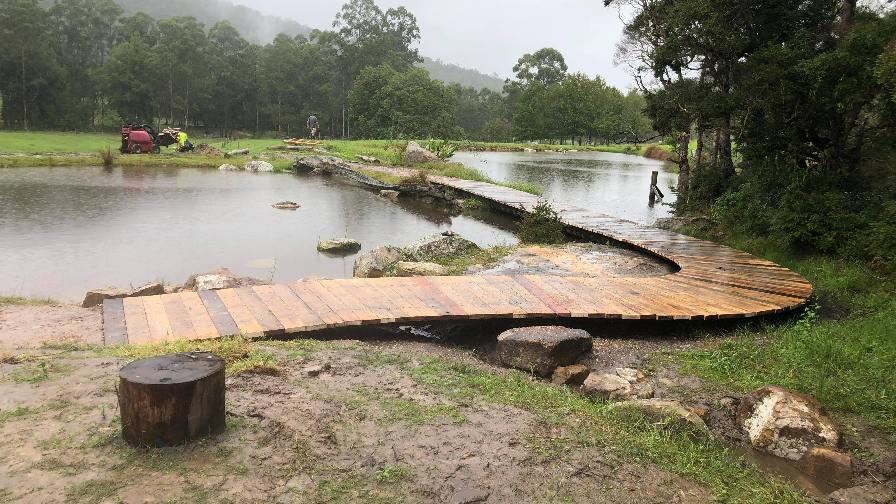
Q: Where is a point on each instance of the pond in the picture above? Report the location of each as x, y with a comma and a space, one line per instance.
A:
64, 231
614, 184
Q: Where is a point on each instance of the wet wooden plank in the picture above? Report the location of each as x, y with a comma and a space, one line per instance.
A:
316, 304
218, 313
305, 317
270, 326
199, 316
178, 318
115, 332
157, 319
241, 314
135, 321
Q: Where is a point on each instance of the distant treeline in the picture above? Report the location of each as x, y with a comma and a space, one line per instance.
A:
83, 64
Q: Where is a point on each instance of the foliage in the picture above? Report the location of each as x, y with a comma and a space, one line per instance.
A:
391, 104
542, 225
442, 148
805, 93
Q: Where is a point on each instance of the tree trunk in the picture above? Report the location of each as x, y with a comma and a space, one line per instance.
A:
169, 400
698, 151
684, 166
24, 93
725, 160
715, 147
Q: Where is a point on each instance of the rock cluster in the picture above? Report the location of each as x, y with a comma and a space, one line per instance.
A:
258, 166
417, 259
617, 385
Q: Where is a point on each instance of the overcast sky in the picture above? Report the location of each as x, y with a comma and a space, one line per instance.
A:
490, 35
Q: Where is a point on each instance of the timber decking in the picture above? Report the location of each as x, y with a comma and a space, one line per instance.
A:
713, 282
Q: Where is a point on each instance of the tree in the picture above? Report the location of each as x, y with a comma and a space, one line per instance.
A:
28, 70
231, 64
390, 104
179, 60
544, 67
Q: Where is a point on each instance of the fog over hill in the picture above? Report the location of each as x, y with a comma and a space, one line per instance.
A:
261, 29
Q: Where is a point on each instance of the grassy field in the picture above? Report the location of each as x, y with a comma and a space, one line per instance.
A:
841, 351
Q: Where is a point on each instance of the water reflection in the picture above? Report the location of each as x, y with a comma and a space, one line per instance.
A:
614, 184
66, 230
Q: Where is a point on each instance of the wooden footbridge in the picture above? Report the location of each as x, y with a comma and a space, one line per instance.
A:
712, 282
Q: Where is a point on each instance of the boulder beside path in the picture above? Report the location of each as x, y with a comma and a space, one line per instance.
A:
414, 153
542, 349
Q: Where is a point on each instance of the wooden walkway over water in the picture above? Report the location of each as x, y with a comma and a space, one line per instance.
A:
713, 282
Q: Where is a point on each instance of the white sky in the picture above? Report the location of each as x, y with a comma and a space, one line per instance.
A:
490, 35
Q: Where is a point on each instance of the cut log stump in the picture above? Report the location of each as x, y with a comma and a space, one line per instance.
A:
169, 400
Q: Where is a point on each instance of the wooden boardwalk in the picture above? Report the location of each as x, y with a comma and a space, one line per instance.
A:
713, 282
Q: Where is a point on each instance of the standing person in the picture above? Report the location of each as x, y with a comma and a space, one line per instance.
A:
314, 126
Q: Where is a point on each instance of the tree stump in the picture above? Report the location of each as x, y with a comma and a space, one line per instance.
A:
169, 400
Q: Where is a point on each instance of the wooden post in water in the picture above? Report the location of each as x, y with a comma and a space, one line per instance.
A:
654, 176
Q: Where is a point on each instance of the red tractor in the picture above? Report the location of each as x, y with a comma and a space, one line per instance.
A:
143, 139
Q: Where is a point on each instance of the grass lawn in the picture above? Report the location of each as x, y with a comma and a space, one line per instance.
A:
842, 351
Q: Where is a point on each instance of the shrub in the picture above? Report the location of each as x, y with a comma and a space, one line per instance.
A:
107, 155
442, 148
542, 225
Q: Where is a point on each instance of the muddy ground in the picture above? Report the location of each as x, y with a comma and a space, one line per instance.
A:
382, 423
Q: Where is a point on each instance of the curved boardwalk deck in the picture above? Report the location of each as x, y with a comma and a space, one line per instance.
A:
713, 282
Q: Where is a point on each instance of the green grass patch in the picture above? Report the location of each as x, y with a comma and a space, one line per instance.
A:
841, 351
239, 354
40, 371
542, 226
21, 301
21, 412
392, 474
384, 177
457, 265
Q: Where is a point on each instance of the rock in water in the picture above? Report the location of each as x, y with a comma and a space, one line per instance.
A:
606, 386
412, 269
415, 154
228, 167
339, 245
445, 245
784, 423
286, 205
390, 194
542, 349
259, 166
570, 375
374, 264
828, 465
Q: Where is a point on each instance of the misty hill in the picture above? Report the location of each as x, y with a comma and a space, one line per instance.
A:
261, 29
450, 73
253, 25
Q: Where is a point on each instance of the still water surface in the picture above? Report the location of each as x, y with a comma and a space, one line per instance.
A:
64, 231
614, 184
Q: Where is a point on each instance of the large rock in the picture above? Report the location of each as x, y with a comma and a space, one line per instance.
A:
415, 154
661, 410
339, 245
222, 278
784, 423
606, 386
865, 494
542, 349
375, 263
832, 466
446, 244
228, 167
97, 296
390, 194
412, 269
259, 166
